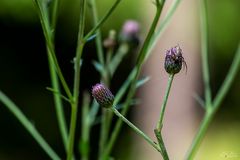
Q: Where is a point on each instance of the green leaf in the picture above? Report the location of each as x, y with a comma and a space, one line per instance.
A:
117, 59
199, 100
99, 67
142, 81
56, 92
125, 86
132, 103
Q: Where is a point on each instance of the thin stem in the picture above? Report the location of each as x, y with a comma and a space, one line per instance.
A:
147, 42
228, 80
163, 25
160, 122
84, 141
137, 130
58, 102
200, 135
28, 126
134, 81
104, 76
55, 82
77, 67
100, 23
103, 133
98, 39
54, 17
44, 19
161, 144
158, 130
216, 104
117, 59
204, 53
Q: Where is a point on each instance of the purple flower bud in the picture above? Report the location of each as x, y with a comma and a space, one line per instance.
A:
174, 60
130, 31
102, 95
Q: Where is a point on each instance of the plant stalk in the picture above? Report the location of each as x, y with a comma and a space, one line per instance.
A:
28, 126
132, 89
76, 87
137, 130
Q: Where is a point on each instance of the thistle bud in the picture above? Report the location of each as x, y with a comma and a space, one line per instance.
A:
174, 60
130, 32
102, 95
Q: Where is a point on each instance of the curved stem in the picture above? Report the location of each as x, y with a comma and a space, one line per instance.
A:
28, 126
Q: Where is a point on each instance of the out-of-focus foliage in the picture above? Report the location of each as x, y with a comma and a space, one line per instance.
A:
224, 26
18, 10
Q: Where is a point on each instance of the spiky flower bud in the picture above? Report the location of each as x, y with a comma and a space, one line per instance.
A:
174, 60
102, 95
130, 32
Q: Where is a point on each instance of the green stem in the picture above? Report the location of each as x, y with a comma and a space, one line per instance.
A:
137, 130
118, 57
104, 76
161, 144
84, 141
58, 102
160, 122
103, 133
204, 53
163, 25
28, 126
200, 135
55, 82
44, 19
212, 108
98, 39
54, 17
228, 80
77, 67
134, 81
216, 104
158, 130
102, 20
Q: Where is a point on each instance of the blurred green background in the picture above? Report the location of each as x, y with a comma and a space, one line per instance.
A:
24, 71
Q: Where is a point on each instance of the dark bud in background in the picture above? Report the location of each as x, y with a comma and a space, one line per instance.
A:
130, 32
110, 41
174, 60
103, 95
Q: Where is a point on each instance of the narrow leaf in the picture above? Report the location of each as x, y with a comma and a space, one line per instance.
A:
98, 66
142, 81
